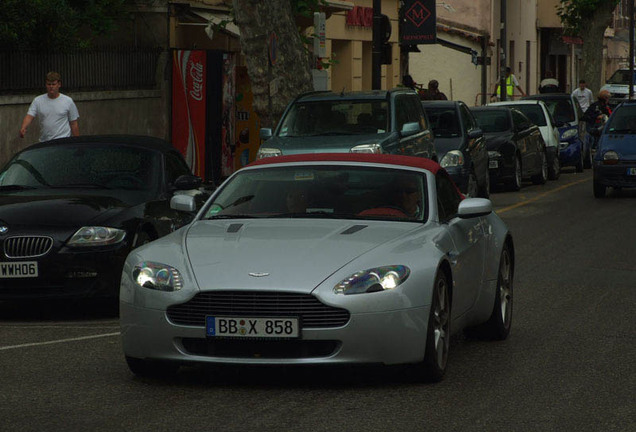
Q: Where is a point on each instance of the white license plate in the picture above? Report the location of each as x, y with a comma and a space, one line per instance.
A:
252, 327
21, 269
631, 171
493, 164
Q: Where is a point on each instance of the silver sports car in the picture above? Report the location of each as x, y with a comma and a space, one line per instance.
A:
321, 259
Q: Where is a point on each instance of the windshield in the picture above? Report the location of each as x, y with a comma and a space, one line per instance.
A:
623, 120
335, 117
561, 109
621, 76
532, 111
325, 192
492, 121
444, 121
108, 166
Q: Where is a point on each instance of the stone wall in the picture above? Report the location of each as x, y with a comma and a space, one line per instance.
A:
136, 112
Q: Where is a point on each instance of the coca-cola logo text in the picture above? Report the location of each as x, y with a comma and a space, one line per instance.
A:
196, 73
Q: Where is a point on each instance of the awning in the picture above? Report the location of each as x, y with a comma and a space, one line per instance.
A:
221, 21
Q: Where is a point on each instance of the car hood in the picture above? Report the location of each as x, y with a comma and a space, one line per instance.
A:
323, 143
623, 144
275, 254
34, 208
444, 144
494, 140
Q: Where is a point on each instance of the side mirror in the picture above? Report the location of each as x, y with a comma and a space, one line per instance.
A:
186, 182
474, 207
475, 133
182, 202
265, 133
409, 129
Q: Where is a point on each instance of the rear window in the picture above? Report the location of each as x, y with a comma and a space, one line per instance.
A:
492, 120
336, 117
561, 109
444, 121
623, 120
533, 112
621, 76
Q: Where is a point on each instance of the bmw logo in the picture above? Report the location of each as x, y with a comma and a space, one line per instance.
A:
4, 229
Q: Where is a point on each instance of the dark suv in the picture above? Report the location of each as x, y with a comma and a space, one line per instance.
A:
379, 121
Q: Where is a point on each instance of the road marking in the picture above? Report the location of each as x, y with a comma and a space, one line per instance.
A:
526, 202
58, 341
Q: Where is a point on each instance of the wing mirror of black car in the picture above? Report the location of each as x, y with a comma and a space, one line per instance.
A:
561, 123
475, 133
265, 133
186, 182
410, 129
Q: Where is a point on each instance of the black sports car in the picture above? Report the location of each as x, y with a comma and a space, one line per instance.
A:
71, 209
516, 149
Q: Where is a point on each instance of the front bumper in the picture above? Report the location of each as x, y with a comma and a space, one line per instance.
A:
615, 175
570, 152
69, 273
391, 337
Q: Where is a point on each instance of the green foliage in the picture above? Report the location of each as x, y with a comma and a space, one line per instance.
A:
306, 8
574, 12
56, 24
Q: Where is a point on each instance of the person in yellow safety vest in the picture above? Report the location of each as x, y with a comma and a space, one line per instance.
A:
511, 83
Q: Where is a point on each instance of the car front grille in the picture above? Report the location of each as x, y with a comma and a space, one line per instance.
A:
27, 246
312, 313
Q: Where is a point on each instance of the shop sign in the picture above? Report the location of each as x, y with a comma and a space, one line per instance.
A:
419, 23
360, 17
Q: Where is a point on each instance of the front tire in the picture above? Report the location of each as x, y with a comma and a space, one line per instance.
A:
599, 190
517, 175
542, 176
433, 367
500, 322
554, 171
579, 164
588, 159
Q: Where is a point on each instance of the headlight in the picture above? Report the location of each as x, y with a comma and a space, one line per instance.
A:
610, 158
494, 155
452, 158
160, 277
267, 152
570, 133
373, 280
96, 236
367, 148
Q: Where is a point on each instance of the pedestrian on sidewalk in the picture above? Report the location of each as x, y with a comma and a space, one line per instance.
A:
56, 112
583, 95
511, 84
432, 93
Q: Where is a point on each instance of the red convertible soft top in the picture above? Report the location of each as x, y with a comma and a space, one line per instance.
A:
410, 161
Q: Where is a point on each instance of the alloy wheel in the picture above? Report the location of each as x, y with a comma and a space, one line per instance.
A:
441, 323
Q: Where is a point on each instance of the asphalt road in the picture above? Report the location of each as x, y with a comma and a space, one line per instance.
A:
569, 364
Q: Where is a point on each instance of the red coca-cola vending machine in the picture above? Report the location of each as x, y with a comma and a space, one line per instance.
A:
203, 111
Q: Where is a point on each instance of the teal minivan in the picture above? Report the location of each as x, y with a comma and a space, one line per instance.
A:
378, 121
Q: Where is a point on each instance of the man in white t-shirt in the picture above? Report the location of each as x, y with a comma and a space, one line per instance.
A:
56, 112
583, 95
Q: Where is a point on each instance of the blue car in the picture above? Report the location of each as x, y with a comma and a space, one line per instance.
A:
615, 159
575, 147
